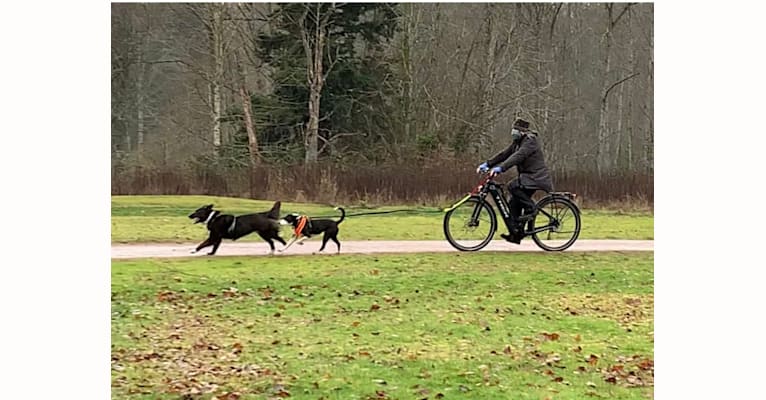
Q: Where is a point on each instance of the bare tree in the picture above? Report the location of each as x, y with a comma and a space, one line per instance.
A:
603, 160
314, 39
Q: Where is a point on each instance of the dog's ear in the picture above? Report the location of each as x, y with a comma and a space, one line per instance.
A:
209, 206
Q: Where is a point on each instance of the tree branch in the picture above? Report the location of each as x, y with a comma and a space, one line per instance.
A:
606, 93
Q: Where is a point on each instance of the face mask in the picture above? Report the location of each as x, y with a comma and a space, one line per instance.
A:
515, 134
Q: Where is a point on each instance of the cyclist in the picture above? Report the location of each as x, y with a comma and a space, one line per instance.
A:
526, 153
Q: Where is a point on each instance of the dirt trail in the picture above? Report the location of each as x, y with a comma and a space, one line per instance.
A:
163, 250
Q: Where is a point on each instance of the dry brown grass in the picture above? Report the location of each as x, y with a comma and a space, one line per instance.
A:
379, 185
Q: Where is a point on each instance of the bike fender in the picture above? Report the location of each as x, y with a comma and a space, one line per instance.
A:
456, 205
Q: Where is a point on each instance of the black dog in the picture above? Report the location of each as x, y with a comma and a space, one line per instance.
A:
305, 227
226, 226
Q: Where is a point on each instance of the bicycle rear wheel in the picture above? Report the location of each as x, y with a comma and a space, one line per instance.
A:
471, 225
557, 224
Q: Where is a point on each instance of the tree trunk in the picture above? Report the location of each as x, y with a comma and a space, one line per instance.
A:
487, 107
252, 140
244, 96
602, 163
649, 137
140, 106
634, 65
618, 150
217, 42
314, 48
128, 142
312, 132
408, 42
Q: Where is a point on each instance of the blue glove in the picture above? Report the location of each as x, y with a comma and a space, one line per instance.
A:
482, 168
496, 170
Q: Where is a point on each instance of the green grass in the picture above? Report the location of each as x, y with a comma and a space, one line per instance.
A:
472, 326
164, 219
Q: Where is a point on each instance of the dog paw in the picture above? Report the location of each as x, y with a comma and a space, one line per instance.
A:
193, 252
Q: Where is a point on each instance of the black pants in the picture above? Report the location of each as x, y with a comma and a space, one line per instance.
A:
521, 197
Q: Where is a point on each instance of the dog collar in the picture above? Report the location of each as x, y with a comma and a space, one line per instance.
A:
210, 217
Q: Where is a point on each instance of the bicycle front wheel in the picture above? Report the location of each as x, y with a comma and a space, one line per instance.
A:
556, 225
471, 225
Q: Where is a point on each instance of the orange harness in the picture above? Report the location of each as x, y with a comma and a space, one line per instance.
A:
301, 224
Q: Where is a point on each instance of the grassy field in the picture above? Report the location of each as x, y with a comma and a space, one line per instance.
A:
468, 326
164, 219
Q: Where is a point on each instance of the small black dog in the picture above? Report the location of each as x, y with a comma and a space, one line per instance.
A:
305, 227
226, 226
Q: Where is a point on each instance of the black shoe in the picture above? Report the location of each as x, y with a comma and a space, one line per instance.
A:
511, 238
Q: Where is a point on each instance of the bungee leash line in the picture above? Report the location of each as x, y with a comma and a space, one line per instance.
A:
383, 212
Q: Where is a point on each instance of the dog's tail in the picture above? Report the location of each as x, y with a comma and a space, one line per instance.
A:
274, 212
342, 214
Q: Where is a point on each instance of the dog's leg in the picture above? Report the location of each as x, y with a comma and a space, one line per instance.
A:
280, 240
267, 236
335, 239
301, 240
215, 247
207, 242
325, 238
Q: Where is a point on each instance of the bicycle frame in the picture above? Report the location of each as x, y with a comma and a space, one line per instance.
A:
488, 186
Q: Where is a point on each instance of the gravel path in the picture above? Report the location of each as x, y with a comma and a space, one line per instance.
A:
228, 248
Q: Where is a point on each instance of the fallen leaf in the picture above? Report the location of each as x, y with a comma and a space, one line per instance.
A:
166, 296
550, 336
646, 364
633, 302
374, 307
593, 359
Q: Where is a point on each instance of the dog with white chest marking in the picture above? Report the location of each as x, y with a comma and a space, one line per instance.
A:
304, 228
227, 226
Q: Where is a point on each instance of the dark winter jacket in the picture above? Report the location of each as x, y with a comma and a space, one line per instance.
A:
527, 155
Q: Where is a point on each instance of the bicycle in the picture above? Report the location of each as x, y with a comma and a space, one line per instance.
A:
549, 228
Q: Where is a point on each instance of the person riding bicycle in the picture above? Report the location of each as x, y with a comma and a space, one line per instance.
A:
526, 153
